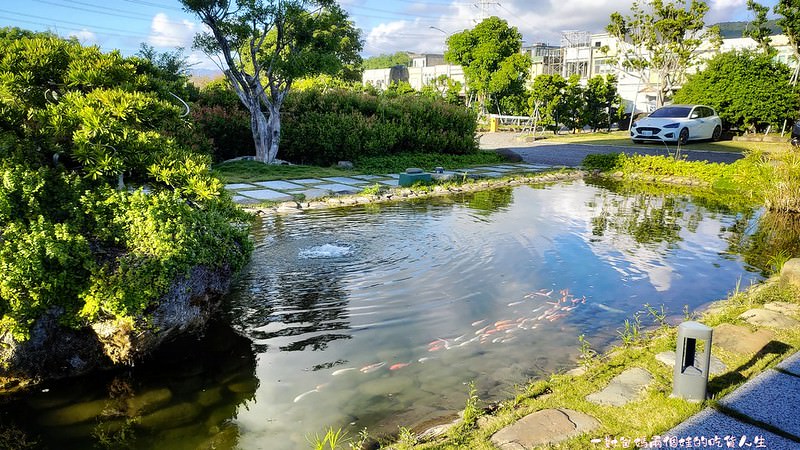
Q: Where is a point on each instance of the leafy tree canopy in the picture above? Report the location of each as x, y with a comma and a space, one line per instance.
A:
491, 58
749, 90
383, 61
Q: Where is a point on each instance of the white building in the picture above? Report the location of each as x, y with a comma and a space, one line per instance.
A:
424, 70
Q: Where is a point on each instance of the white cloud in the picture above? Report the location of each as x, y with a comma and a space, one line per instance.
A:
167, 33
539, 21
85, 36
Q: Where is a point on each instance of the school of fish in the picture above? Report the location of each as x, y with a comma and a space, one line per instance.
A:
484, 331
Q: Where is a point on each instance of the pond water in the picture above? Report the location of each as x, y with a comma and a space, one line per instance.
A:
381, 316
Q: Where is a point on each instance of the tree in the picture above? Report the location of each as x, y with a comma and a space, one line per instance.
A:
574, 103
758, 29
749, 90
789, 10
386, 61
491, 58
546, 97
600, 95
264, 46
664, 38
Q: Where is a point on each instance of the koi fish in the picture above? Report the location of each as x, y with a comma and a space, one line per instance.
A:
609, 309
398, 366
435, 348
341, 371
515, 303
481, 330
301, 396
478, 322
538, 309
459, 338
503, 322
427, 358
372, 367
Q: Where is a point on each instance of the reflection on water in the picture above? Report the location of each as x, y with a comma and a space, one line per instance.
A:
381, 316
186, 397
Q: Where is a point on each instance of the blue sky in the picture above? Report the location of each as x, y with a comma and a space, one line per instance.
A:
387, 26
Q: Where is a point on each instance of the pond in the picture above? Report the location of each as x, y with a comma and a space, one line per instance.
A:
382, 315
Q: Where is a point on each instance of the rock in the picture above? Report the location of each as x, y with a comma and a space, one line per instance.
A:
623, 388
345, 165
668, 358
785, 308
148, 401
210, 396
74, 414
790, 273
766, 318
739, 339
170, 417
576, 372
544, 427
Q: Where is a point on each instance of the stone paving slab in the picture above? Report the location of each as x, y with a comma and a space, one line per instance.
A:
394, 183
498, 168
236, 186
266, 195
308, 181
547, 426
395, 176
311, 194
369, 177
739, 339
769, 398
765, 318
623, 388
791, 364
337, 187
243, 200
710, 423
492, 174
279, 185
344, 180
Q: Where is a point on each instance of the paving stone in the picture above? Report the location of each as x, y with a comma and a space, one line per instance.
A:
790, 273
235, 186
505, 167
344, 180
623, 388
786, 308
266, 194
395, 176
739, 339
544, 427
369, 177
238, 199
279, 185
766, 318
390, 182
339, 188
716, 367
712, 424
791, 364
311, 194
308, 181
497, 168
769, 398
492, 174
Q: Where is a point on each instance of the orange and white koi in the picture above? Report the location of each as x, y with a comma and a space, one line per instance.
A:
502, 322
398, 366
372, 367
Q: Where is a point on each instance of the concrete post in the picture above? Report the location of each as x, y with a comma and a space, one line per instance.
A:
692, 361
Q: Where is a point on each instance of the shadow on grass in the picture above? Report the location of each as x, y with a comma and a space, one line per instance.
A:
774, 350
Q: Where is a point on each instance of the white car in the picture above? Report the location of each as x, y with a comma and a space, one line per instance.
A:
678, 123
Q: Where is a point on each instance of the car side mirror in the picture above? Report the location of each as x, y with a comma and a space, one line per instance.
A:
694, 116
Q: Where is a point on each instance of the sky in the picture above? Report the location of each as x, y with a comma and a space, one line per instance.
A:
387, 26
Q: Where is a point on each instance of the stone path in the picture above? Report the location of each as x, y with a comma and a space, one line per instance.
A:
623, 388
313, 188
547, 426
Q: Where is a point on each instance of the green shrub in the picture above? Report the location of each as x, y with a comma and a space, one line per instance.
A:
323, 128
601, 161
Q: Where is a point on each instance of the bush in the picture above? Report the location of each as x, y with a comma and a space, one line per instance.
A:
323, 128
601, 161
73, 120
749, 90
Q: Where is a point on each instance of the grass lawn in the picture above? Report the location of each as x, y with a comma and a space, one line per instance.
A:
622, 139
250, 171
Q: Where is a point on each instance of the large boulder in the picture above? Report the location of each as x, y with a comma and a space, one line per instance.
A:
54, 350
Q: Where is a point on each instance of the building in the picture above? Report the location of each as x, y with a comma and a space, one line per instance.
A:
424, 69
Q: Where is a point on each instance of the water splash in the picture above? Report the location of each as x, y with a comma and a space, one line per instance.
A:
326, 251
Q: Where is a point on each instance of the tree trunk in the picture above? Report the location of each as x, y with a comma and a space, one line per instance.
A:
266, 131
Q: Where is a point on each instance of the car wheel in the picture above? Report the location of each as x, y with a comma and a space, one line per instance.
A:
717, 133
683, 137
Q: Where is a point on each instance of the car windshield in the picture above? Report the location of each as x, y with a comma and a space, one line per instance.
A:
671, 111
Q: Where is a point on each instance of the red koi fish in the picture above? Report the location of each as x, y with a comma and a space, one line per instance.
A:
398, 366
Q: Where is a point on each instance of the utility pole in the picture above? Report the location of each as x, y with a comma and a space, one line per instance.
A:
483, 9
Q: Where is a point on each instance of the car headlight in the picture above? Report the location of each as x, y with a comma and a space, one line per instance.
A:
635, 124
672, 125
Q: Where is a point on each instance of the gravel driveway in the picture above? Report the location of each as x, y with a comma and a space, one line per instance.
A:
571, 155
